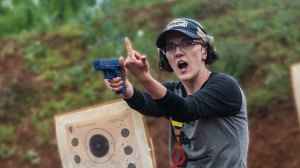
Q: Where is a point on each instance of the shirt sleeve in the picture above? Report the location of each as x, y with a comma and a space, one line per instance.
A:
220, 96
142, 102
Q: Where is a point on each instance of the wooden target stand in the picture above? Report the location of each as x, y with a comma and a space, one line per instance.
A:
106, 135
295, 76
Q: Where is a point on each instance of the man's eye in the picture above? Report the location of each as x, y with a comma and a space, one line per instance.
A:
187, 43
169, 47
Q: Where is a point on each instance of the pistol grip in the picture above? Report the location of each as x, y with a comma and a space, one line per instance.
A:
124, 87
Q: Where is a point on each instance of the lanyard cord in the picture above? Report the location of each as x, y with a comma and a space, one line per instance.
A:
178, 156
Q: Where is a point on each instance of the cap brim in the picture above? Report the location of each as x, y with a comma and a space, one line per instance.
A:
162, 37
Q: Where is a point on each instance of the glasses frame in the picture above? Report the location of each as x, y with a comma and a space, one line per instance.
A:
194, 42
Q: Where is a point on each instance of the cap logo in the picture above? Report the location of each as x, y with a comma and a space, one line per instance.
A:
177, 23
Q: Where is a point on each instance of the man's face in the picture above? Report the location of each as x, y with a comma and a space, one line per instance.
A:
186, 64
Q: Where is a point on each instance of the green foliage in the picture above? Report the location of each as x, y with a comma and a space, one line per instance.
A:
70, 30
258, 98
40, 57
6, 133
28, 15
236, 57
43, 129
6, 151
109, 95
15, 19
277, 80
201, 9
32, 157
7, 137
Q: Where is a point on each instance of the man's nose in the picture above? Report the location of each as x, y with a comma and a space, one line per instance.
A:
178, 51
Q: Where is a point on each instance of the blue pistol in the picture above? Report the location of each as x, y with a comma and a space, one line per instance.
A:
111, 69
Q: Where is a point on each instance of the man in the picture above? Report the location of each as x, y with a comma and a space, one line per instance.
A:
207, 110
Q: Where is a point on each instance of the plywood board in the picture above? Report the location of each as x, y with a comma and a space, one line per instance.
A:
295, 75
106, 135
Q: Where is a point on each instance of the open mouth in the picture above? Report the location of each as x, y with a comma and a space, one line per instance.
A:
182, 64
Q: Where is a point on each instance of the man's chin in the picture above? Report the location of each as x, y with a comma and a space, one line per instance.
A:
183, 77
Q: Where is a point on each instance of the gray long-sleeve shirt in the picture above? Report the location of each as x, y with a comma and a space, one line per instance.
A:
214, 117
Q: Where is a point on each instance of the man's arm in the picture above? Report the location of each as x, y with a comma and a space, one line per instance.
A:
221, 96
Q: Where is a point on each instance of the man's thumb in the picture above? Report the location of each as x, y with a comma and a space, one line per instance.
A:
122, 65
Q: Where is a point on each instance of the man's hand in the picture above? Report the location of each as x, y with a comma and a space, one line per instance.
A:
138, 66
115, 84
136, 63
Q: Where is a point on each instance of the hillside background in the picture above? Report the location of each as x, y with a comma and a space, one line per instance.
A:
47, 46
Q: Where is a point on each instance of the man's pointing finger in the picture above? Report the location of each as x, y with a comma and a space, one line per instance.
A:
129, 47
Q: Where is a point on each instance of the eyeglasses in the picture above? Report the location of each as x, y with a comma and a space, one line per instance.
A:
184, 46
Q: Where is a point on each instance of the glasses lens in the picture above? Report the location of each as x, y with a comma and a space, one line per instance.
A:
186, 44
170, 48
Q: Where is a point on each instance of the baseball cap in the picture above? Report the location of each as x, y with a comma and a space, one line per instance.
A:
189, 27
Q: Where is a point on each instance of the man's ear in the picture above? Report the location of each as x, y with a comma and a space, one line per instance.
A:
204, 53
